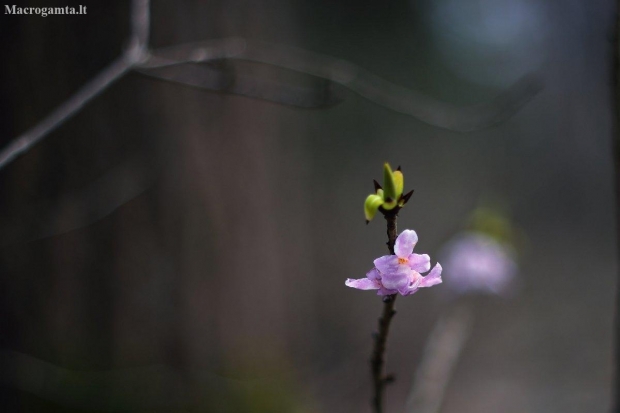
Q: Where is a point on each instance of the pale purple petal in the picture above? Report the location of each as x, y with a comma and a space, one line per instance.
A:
399, 279
433, 277
399, 273
384, 291
405, 243
420, 262
410, 290
363, 284
373, 274
415, 280
404, 290
413, 285
387, 264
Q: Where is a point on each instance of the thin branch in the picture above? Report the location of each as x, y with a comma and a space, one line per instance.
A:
442, 352
136, 52
301, 93
358, 80
66, 110
379, 378
118, 186
377, 362
198, 52
140, 22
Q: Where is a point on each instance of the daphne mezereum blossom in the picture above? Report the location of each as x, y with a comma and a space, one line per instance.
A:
399, 273
478, 263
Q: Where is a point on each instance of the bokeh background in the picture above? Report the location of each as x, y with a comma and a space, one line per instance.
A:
178, 250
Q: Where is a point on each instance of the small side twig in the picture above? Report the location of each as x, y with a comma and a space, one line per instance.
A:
140, 24
377, 362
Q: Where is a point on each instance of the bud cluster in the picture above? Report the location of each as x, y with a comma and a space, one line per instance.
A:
389, 197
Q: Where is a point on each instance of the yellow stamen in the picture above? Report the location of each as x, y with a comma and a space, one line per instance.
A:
403, 260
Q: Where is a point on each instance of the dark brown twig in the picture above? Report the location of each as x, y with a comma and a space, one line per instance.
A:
377, 362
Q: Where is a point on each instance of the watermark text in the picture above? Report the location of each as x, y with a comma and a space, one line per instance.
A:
44, 11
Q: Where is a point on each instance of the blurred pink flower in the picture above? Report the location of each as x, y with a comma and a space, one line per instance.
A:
477, 263
399, 273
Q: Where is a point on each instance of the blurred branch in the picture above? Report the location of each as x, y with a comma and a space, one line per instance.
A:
134, 54
372, 87
318, 93
117, 187
441, 354
66, 110
356, 79
140, 22
198, 52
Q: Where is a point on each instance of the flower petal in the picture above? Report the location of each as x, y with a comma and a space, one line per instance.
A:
373, 274
387, 264
384, 291
405, 243
396, 280
478, 263
420, 262
433, 277
414, 284
362, 284
410, 290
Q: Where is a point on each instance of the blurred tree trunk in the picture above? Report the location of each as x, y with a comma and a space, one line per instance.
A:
201, 269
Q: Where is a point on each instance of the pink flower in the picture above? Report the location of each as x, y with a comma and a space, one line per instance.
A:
399, 273
478, 263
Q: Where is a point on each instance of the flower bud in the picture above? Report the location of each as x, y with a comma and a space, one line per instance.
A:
371, 205
389, 185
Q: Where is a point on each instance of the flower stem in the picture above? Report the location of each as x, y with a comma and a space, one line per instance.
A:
390, 217
377, 362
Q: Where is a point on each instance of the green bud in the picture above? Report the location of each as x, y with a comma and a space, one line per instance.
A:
389, 185
390, 205
371, 205
399, 182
